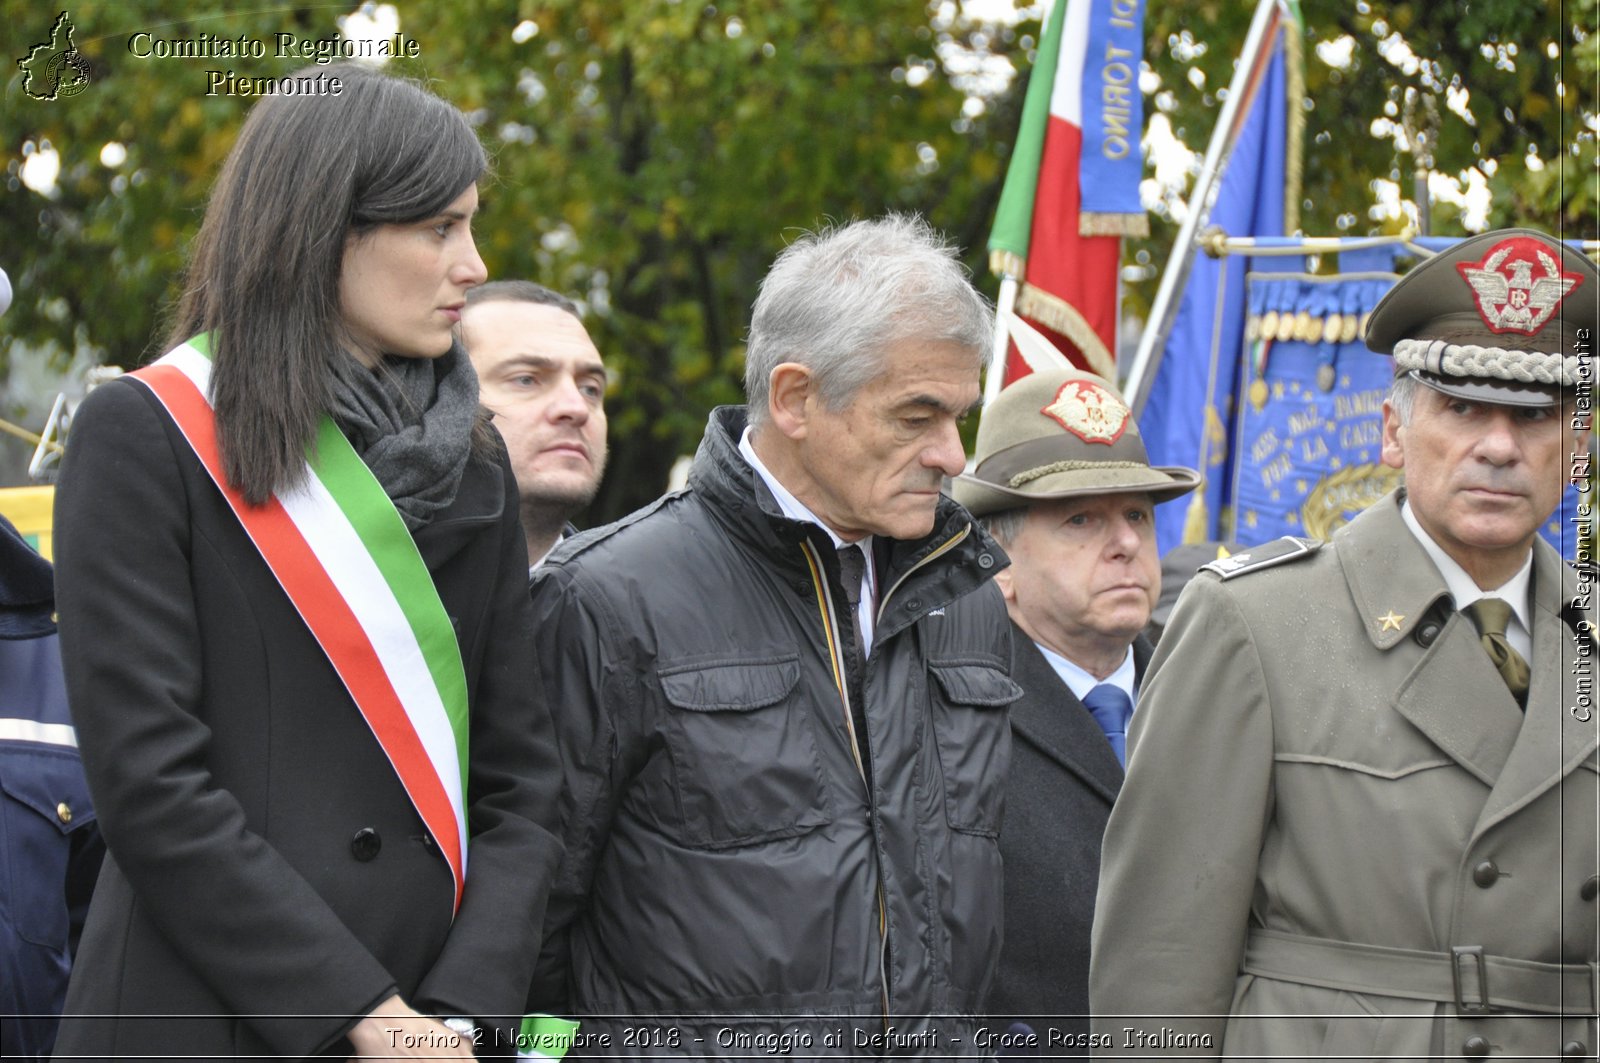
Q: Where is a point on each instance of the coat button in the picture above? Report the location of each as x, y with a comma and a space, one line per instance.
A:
914, 605
1475, 1046
365, 843
64, 812
1427, 633
1486, 874
986, 561
1588, 890
1574, 1050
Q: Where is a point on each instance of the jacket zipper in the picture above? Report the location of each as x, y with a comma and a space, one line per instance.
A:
939, 551
836, 651
883, 603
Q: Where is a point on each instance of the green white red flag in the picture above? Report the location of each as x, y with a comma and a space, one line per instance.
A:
1071, 192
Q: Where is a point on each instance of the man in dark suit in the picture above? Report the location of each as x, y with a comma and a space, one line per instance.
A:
1062, 480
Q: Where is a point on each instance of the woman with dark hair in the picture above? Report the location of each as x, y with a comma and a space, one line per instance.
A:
292, 590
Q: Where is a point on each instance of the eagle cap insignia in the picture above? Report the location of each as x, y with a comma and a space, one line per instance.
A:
1089, 412
1518, 285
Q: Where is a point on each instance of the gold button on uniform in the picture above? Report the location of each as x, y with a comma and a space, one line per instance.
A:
64, 812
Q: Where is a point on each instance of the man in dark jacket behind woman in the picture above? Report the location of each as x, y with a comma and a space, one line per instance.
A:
783, 695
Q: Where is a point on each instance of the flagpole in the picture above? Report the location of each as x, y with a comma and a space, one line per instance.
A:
1147, 357
1007, 302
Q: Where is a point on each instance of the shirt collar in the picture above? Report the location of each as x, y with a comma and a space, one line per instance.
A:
792, 507
545, 556
1463, 589
1081, 682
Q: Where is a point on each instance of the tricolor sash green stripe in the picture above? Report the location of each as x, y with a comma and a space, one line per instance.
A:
545, 1037
341, 552
352, 485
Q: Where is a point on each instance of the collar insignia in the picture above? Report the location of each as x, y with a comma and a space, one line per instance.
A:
1518, 285
1390, 621
1089, 412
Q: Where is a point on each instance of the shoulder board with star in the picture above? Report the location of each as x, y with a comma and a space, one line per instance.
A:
1278, 552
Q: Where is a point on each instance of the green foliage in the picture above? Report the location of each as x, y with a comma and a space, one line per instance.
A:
1525, 69
672, 148
1528, 68
651, 158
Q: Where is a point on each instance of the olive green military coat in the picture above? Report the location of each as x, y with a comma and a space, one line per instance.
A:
1332, 799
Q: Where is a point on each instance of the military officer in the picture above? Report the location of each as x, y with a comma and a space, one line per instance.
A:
1359, 818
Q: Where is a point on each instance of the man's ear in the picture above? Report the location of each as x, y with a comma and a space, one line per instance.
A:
1008, 590
1394, 450
791, 397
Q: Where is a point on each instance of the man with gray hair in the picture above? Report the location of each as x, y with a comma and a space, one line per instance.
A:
783, 694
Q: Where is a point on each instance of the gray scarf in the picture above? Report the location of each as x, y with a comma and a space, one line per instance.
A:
411, 421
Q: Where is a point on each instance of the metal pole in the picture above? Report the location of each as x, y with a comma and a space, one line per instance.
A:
1146, 357
1217, 244
1424, 198
1007, 302
1422, 135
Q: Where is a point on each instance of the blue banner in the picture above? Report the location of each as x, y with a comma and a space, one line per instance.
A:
1309, 435
1308, 440
1112, 165
1191, 404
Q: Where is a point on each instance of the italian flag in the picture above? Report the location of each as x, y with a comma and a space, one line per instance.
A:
1063, 209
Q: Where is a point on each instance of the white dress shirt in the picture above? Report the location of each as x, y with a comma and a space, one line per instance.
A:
559, 540
794, 509
1464, 590
1081, 682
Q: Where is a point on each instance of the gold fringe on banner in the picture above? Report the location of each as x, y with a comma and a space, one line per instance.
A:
1007, 264
1295, 67
1196, 528
1107, 224
1056, 313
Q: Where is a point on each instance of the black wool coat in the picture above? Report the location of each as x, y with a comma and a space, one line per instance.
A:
1062, 782
269, 880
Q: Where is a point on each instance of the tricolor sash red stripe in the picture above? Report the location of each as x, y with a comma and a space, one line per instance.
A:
340, 551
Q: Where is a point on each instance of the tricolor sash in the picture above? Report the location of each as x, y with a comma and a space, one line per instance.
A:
545, 1037
339, 549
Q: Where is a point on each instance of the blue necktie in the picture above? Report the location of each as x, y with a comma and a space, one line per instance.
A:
1111, 709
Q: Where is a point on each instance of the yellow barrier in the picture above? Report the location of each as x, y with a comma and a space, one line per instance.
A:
30, 509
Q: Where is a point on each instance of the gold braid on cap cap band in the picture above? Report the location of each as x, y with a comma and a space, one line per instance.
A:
1465, 359
1029, 475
